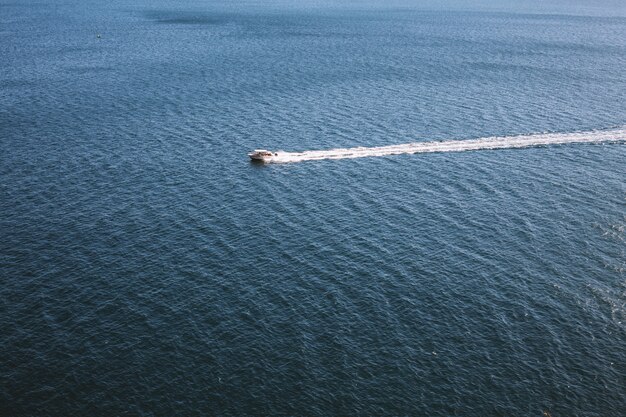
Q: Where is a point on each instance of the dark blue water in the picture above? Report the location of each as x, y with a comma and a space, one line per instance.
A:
147, 268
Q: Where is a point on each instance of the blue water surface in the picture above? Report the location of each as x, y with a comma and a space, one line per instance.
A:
147, 268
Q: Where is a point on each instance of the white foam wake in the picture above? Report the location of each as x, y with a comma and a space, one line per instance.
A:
509, 142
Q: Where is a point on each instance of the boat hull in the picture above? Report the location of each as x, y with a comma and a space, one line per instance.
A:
256, 158
261, 156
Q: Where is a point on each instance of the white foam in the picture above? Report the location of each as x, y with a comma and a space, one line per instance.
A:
509, 142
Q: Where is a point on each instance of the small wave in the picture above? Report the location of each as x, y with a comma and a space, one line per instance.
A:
507, 142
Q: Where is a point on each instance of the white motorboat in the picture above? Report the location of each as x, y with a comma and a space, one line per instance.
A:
262, 155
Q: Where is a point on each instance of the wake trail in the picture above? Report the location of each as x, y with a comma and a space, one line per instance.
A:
507, 142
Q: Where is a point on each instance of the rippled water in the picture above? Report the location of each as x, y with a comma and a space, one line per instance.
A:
149, 269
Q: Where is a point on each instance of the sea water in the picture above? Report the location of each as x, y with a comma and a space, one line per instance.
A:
148, 268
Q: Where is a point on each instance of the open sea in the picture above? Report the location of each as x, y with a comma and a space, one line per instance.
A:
148, 268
